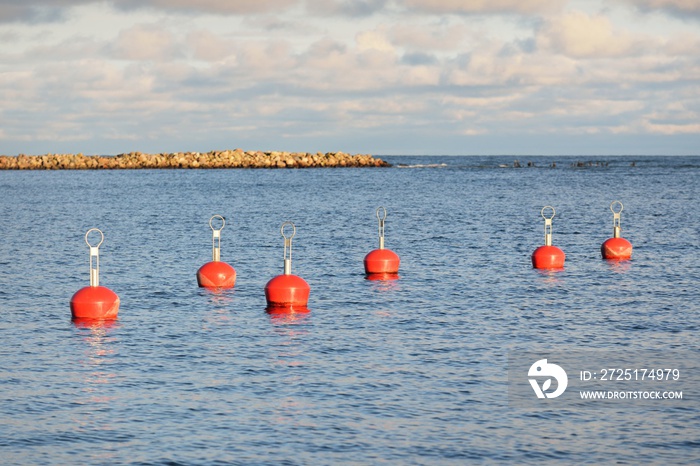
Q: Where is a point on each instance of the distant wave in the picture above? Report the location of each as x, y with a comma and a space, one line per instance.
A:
420, 165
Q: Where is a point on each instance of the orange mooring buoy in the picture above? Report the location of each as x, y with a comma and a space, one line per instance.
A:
216, 274
616, 248
94, 301
548, 256
381, 263
287, 292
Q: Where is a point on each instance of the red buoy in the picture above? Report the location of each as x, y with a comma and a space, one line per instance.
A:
216, 274
94, 301
548, 256
381, 262
287, 292
616, 248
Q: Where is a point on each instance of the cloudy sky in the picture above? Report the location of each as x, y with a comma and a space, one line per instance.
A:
594, 77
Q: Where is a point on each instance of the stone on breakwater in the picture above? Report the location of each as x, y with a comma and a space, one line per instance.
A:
237, 158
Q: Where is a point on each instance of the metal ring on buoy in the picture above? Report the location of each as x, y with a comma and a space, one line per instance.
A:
612, 204
554, 212
223, 223
294, 230
102, 237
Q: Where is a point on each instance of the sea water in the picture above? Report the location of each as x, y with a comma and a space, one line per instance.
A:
407, 371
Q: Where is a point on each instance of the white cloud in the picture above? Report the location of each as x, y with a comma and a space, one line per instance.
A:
473, 131
209, 47
580, 35
491, 102
438, 37
35, 11
671, 129
273, 58
571, 107
226, 7
648, 126
685, 44
421, 76
681, 8
374, 40
53, 10
352, 8
74, 48
488, 68
146, 42
484, 6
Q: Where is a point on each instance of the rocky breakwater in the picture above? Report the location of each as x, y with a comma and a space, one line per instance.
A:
216, 159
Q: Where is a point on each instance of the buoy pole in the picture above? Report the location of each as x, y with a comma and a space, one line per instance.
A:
216, 274
548, 256
94, 302
616, 218
94, 258
381, 263
617, 247
288, 247
381, 216
216, 238
547, 226
287, 292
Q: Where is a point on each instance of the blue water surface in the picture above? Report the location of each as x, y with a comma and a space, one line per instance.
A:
408, 371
